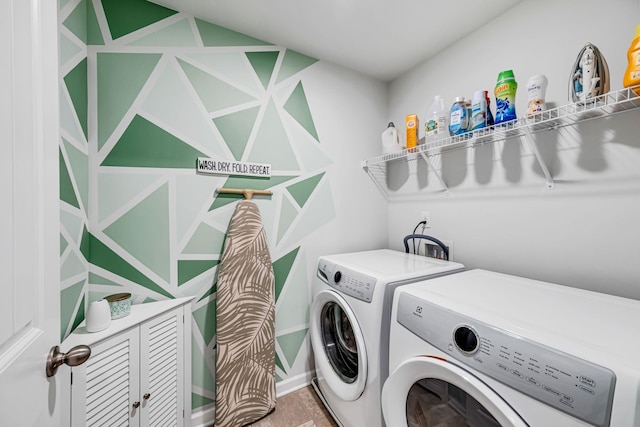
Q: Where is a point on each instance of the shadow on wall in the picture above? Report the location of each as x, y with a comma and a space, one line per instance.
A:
588, 137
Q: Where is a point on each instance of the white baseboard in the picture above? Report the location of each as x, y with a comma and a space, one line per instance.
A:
206, 416
294, 383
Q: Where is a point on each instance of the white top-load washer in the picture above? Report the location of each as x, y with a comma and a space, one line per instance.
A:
485, 349
350, 315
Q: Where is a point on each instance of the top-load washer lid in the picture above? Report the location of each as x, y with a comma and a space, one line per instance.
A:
388, 265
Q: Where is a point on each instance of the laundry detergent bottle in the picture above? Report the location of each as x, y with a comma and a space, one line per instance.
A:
632, 74
505, 92
390, 140
458, 117
478, 110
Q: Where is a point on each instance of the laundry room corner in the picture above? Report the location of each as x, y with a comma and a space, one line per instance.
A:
497, 207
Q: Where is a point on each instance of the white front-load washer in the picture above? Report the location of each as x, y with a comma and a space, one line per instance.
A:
484, 349
350, 315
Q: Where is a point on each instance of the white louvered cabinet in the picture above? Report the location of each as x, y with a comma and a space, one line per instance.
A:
139, 374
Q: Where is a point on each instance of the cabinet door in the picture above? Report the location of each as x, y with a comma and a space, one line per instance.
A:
162, 370
105, 388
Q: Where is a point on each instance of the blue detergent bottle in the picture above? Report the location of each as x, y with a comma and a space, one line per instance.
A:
458, 117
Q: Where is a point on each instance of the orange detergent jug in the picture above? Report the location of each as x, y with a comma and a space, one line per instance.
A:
632, 75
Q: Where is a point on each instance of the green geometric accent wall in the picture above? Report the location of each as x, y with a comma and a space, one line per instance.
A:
170, 102
290, 344
144, 144
298, 107
76, 82
73, 166
125, 17
175, 35
94, 36
143, 231
198, 401
215, 94
272, 144
296, 297
104, 257
67, 193
215, 35
263, 63
235, 128
279, 363
301, 191
120, 78
69, 299
205, 318
201, 376
166, 92
188, 269
79, 163
79, 315
288, 214
205, 240
281, 270
76, 22
292, 63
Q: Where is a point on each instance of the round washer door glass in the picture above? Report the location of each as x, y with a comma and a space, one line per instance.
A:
339, 341
338, 345
427, 390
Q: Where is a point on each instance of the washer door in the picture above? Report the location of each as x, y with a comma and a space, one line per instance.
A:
429, 390
338, 345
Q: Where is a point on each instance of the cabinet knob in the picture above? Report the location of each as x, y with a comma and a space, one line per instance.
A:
146, 396
136, 405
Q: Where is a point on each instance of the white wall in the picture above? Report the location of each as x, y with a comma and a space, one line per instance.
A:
342, 101
585, 232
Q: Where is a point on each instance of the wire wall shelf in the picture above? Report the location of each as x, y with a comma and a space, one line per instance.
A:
567, 115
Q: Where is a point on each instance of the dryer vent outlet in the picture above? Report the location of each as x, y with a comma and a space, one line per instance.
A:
433, 250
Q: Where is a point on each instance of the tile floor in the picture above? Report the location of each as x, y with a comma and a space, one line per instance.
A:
302, 408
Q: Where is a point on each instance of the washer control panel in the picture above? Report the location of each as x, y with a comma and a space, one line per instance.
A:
570, 384
347, 281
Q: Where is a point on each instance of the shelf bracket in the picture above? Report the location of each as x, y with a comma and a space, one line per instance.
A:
428, 161
536, 152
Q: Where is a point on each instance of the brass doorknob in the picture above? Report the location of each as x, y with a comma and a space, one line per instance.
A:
74, 357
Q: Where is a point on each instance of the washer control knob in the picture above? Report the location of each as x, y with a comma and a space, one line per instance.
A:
337, 276
466, 340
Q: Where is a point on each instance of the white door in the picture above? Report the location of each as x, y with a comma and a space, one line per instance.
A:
29, 211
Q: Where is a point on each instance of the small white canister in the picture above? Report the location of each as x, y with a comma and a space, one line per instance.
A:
98, 316
536, 88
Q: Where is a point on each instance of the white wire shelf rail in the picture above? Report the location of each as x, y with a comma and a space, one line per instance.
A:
567, 115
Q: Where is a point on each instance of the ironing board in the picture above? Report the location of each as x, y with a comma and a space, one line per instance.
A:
245, 321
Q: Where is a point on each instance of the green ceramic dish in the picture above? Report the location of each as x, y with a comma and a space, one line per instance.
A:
119, 304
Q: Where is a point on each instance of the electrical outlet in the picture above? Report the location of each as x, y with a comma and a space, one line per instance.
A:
426, 217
